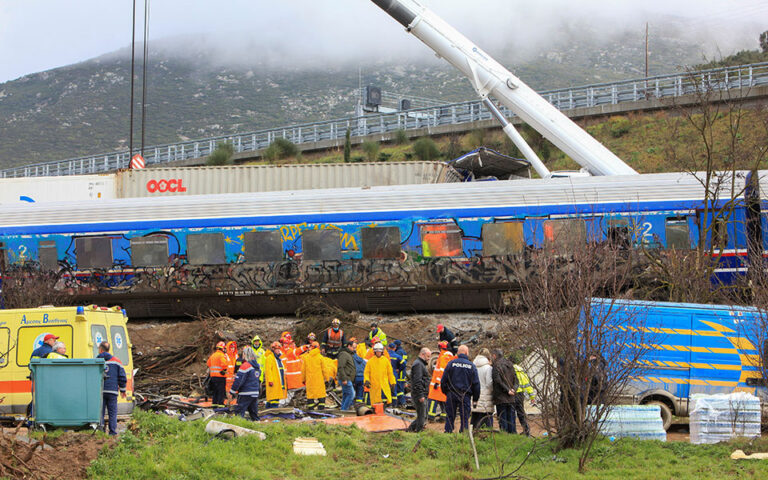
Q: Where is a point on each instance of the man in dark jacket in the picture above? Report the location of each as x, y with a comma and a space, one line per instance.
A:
114, 380
448, 336
419, 389
346, 373
359, 373
247, 385
461, 386
504, 388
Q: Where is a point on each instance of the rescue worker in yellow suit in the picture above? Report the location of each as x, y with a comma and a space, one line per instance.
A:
314, 372
274, 376
436, 396
379, 377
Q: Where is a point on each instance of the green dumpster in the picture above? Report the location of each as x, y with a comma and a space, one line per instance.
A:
67, 392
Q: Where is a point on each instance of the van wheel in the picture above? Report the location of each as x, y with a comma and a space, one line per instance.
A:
666, 413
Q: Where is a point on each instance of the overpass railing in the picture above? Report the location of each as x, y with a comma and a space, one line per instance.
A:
663, 86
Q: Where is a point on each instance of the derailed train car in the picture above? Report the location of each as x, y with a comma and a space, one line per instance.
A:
399, 248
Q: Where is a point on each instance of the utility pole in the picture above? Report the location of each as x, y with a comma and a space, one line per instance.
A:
646, 49
144, 75
133, 63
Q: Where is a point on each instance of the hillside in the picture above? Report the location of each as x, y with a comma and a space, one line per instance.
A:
83, 108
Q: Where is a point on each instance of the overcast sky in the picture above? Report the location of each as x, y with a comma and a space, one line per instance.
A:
37, 35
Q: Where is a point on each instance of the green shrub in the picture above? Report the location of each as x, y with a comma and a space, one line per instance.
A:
281, 148
357, 159
384, 157
401, 137
426, 149
619, 126
222, 155
371, 150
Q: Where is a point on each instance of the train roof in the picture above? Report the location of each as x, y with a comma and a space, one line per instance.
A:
629, 190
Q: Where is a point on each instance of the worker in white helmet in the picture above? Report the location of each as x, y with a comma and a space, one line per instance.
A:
379, 377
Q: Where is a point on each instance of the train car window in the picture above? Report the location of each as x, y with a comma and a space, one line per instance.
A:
150, 251
380, 242
93, 252
618, 233
321, 244
503, 238
720, 233
678, 234
441, 240
206, 249
48, 255
565, 233
263, 246
5, 354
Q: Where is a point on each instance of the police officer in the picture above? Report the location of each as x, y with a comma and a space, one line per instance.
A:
461, 386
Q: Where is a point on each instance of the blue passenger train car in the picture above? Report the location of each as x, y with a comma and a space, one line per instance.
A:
397, 248
693, 348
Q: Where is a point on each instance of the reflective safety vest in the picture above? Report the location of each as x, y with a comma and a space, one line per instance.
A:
292, 363
218, 363
524, 383
437, 376
379, 333
334, 338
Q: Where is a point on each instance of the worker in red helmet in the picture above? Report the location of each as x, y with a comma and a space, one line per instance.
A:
218, 363
436, 396
448, 336
292, 362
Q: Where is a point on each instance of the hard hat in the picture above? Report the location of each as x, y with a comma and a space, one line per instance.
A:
315, 345
352, 340
336, 322
256, 341
221, 346
286, 338
275, 345
443, 345
440, 328
378, 347
285, 334
311, 336
375, 340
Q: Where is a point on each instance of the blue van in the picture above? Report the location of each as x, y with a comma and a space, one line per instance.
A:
692, 348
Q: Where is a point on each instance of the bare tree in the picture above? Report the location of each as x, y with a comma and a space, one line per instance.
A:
585, 349
29, 287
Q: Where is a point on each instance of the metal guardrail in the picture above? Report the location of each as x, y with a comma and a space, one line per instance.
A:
663, 86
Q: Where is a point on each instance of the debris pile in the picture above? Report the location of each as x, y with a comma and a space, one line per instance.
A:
65, 457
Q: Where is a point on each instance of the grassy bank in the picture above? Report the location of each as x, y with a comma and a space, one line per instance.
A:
158, 447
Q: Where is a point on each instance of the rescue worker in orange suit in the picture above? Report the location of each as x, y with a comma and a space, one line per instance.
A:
247, 386
379, 377
274, 376
292, 362
436, 396
314, 373
218, 363
333, 339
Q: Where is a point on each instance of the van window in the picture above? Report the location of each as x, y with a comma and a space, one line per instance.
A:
263, 246
48, 255
98, 335
151, 251
93, 252
119, 343
206, 249
5, 354
565, 233
29, 338
321, 244
441, 240
502, 238
678, 235
380, 242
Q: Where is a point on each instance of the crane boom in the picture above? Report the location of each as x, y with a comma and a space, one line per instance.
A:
489, 77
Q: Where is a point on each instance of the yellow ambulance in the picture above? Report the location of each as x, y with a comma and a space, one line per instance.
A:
81, 329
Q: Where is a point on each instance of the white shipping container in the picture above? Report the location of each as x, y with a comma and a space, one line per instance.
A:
57, 189
152, 182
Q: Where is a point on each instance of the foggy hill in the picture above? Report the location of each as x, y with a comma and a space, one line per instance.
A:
83, 109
